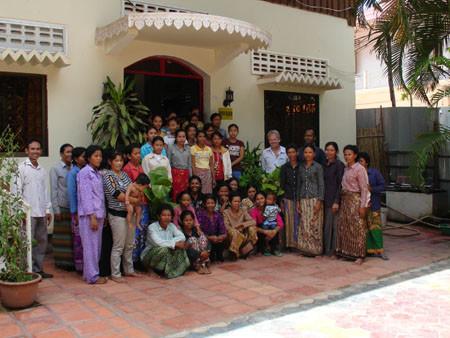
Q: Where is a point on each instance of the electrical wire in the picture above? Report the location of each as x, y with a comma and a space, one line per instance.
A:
324, 8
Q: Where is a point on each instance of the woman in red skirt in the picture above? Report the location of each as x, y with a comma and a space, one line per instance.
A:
179, 155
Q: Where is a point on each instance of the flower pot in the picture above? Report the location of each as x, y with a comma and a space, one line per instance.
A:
21, 294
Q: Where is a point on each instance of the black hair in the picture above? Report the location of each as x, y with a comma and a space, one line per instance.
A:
112, 156
129, 149
195, 177
251, 186
142, 179
207, 126
33, 140
218, 134
77, 152
64, 146
179, 131
201, 132
365, 156
185, 214
333, 144
190, 125
291, 146
157, 115
181, 194
150, 127
209, 197
261, 193
234, 195
311, 146
221, 185
271, 193
91, 150
310, 129
233, 125
352, 148
232, 179
157, 138
214, 115
172, 119
163, 208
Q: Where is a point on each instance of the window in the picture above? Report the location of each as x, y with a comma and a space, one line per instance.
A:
23, 106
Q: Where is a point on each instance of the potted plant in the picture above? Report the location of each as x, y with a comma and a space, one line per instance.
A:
251, 163
18, 288
120, 118
271, 182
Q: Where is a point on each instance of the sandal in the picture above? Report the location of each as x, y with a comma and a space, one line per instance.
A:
101, 280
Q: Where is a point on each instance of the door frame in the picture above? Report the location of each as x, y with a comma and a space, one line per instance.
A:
162, 73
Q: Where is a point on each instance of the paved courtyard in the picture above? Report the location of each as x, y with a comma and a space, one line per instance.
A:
152, 307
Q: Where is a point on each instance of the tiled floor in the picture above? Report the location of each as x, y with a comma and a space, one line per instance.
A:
416, 308
150, 306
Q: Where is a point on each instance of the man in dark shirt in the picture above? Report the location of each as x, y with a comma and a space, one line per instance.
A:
310, 138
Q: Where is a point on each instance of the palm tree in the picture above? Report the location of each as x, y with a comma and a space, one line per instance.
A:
406, 35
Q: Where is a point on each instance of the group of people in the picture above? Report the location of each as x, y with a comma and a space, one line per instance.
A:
103, 228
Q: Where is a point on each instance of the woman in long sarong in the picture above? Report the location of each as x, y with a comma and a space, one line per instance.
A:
352, 225
288, 181
241, 229
376, 187
165, 250
310, 205
179, 155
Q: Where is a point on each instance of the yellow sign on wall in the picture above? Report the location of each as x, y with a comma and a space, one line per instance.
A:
226, 113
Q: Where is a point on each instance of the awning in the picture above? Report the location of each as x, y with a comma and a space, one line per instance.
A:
34, 57
227, 37
300, 80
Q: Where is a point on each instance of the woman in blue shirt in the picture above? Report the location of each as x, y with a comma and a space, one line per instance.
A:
376, 187
79, 162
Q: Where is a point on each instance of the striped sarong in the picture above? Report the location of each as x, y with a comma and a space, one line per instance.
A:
62, 241
310, 236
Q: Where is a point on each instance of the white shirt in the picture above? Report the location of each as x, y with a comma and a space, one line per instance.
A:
270, 161
152, 161
32, 186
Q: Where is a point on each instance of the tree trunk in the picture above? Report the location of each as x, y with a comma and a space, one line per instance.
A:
389, 70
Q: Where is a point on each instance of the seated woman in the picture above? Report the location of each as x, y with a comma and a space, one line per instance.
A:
223, 197
241, 229
268, 240
211, 223
165, 249
198, 250
249, 202
184, 203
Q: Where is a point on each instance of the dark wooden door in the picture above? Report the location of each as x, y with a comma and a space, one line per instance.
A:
291, 114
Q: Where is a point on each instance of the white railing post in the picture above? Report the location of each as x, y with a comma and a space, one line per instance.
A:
27, 208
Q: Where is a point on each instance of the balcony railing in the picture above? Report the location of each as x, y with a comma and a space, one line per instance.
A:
132, 6
267, 62
21, 35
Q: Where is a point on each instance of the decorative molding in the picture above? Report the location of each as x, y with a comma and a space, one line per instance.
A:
34, 57
183, 20
295, 79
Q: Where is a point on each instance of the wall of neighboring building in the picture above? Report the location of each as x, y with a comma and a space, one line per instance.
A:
74, 90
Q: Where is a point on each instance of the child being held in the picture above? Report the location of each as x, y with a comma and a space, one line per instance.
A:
133, 200
271, 212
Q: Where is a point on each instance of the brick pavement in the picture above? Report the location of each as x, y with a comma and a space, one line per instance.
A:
151, 306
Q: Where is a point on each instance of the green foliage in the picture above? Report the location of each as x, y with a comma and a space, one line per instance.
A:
409, 37
252, 171
13, 242
271, 182
120, 118
158, 193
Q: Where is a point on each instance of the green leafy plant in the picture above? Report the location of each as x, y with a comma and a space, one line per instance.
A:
252, 172
13, 241
271, 182
119, 119
158, 193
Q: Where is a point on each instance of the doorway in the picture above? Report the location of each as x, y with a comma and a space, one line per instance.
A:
291, 114
167, 85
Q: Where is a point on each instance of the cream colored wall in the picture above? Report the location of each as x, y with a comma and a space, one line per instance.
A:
73, 90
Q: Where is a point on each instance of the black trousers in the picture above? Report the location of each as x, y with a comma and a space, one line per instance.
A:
105, 256
217, 252
274, 243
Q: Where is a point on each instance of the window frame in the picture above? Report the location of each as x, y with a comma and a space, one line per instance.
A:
44, 108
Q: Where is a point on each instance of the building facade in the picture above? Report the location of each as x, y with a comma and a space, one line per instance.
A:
289, 68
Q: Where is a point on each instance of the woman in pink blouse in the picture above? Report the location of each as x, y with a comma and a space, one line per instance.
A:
351, 226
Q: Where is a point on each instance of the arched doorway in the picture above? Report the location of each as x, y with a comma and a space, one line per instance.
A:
165, 84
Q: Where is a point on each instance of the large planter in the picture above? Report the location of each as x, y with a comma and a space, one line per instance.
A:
21, 294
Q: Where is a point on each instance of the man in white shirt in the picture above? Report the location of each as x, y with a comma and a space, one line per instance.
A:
32, 186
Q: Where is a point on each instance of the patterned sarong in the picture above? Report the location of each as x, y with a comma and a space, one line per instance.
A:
375, 234
180, 183
310, 234
173, 263
240, 238
205, 176
351, 229
62, 241
291, 221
